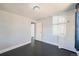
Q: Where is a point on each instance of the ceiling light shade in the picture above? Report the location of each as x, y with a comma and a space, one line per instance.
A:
36, 8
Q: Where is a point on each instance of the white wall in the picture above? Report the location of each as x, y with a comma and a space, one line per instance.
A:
14, 30
69, 40
47, 31
70, 31
39, 31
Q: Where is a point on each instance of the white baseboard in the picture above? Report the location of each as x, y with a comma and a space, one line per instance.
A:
60, 47
48, 42
13, 47
76, 51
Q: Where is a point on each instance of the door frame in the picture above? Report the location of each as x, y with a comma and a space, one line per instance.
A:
34, 29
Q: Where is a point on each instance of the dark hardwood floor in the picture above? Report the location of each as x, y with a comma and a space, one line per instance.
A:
39, 49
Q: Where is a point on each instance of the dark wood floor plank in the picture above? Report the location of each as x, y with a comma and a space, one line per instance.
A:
39, 49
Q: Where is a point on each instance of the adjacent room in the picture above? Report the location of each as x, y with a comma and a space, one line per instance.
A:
39, 29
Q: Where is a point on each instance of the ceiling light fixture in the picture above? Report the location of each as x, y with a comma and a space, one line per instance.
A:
36, 8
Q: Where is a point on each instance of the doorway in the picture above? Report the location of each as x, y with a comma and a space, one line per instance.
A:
33, 33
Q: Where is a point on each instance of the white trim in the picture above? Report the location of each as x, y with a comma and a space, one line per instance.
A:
74, 50
13, 47
60, 47
48, 42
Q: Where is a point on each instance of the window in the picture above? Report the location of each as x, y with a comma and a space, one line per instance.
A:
59, 26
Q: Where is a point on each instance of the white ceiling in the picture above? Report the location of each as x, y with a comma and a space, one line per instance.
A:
26, 9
